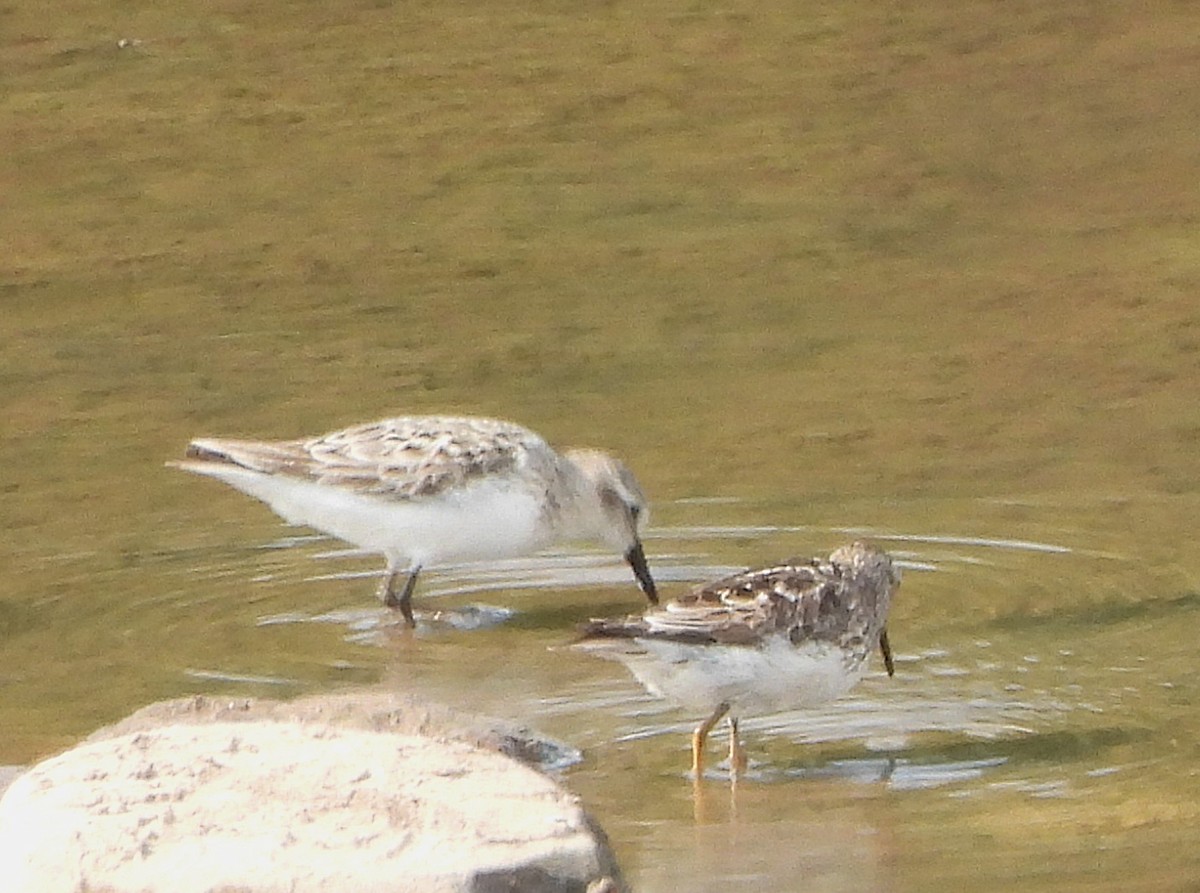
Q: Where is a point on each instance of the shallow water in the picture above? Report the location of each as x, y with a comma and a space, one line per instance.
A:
1036, 732
923, 276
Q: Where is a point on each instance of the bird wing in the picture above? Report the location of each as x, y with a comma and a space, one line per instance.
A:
806, 600
746, 607
738, 610
404, 458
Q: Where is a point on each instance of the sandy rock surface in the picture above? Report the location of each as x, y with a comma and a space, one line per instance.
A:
359, 792
373, 710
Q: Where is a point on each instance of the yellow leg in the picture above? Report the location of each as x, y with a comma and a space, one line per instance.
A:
701, 735
737, 753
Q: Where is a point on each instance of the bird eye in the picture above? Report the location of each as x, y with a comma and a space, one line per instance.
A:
610, 499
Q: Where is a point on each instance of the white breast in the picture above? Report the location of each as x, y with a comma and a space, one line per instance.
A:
772, 677
488, 520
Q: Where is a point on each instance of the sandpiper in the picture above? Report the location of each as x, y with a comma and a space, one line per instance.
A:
793, 635
429, 490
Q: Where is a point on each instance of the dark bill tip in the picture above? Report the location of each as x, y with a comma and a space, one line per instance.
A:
886, 648
637, 560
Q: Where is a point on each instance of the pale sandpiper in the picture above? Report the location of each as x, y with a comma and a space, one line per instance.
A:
430, 490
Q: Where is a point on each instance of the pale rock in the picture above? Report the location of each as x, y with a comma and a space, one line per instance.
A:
359, 792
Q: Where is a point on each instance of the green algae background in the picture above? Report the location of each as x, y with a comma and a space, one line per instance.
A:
917, 269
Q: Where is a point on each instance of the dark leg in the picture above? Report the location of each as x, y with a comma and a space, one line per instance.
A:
387, 591
885, 648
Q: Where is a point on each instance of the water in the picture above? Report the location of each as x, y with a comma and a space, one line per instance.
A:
848, 273
1039, 715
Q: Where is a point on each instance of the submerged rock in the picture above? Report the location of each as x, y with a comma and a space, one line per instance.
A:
349, 793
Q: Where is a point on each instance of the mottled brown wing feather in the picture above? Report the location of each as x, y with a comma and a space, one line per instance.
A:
402, 458
815, 600
737, 610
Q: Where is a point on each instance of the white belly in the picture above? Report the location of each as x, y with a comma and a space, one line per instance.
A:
486, 521
777, 676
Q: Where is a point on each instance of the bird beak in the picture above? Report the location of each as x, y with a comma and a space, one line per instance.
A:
637, 560
886, 647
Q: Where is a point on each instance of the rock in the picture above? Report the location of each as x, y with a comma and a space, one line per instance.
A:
374, 710
350, 793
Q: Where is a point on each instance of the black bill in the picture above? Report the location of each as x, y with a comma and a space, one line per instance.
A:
886, 648
637, 560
